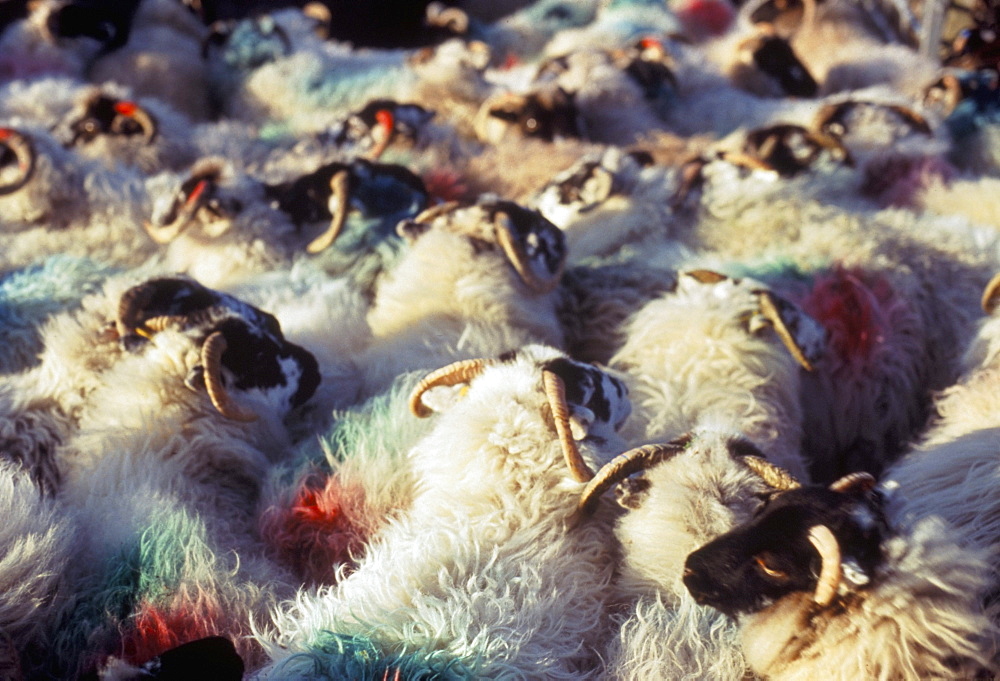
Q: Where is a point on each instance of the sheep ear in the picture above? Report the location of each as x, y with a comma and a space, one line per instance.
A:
804, 337
630, 493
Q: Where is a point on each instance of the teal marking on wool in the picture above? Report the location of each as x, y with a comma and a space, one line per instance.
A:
768, 271
338, 656
29, 296
170, 549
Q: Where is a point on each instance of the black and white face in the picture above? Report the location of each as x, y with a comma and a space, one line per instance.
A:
266, 369
576, 192
753, 566
598, 401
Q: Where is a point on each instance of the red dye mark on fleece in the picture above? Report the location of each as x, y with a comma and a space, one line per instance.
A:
126, 108
156, 630
899, 180
320, 531
706, 18
853, 311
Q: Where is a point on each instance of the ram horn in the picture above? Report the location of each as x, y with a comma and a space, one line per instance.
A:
747, 161
130, 307
769, 308
826, 545
211, 361
182, 211
624, 465
555, 392
991, 295
518, 257
858, 480
462, 371
134, 112
339, 197
450, 18
323, 17
24, 152
775, 476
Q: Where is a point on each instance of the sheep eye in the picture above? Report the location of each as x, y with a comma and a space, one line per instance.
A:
767, 569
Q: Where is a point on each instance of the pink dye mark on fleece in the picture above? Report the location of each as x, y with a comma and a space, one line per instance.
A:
898, 181
445, 185
706, 18
854, 310
321, 529
157, 630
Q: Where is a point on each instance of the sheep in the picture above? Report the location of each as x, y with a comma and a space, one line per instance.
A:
245, 226
306, 90
852, 581
220, 378
748, 374
162, 60
687, 492
608, 201
496, 291
893, 581
494, 534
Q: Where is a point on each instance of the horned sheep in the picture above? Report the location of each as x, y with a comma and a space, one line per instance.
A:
491, 527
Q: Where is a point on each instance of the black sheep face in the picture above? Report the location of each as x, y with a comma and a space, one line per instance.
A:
753, 566
267, 370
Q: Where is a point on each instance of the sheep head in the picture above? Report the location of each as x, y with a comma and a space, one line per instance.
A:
773, 56
241, 347
802, 336
534, 247
100, 114
583, 400
380, 123
198, 199
330, 192
840, 118
545, 114
17, 160
109, 24
813, 539
586, 185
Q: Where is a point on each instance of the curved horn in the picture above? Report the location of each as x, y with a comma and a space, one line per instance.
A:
555, 391
211, 360
860, 479
991, 295
775, 476
514, 249
24, 151
769, 308
321, 14
450, 18
826, 545
624, 465
132, 111
339, 188
130, 306
462, 371
747, 161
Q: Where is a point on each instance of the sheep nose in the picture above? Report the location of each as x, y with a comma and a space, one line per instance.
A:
692, 580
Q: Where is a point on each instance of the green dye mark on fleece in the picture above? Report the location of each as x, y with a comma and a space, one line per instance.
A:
336, 656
